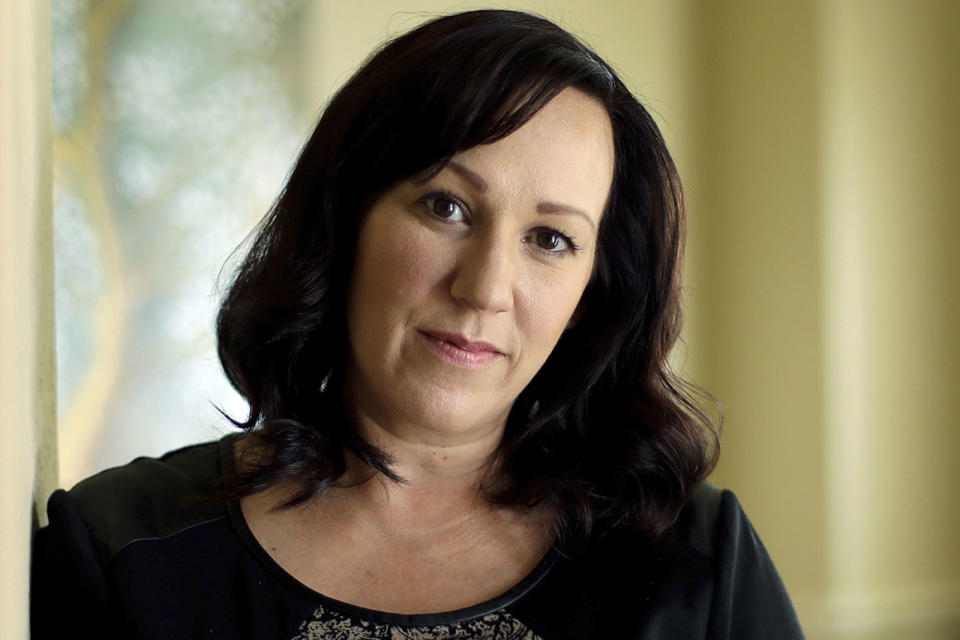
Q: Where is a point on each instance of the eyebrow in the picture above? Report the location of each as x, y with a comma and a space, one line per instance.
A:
543, 207
556, 207
469, 175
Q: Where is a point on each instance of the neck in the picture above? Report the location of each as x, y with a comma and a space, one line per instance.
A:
442, 478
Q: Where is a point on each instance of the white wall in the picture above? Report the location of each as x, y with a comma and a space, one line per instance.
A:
27, 376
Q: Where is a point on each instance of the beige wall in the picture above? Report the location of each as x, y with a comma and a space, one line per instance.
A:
890, 205
755, 291
27, 377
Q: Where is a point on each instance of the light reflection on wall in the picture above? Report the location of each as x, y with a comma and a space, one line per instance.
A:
175, 123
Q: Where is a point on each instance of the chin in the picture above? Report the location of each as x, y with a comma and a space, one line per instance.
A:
456, 419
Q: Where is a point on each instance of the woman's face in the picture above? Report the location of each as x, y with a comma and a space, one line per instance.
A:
463, 283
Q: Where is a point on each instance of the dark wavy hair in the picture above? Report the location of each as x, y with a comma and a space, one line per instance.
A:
604, 433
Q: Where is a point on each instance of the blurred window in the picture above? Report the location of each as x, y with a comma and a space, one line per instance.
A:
174, 125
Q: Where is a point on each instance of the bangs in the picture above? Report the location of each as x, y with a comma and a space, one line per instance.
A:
443, 89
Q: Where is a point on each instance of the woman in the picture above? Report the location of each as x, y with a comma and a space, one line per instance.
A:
452, 331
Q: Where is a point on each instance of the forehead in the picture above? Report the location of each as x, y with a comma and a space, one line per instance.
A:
564, 153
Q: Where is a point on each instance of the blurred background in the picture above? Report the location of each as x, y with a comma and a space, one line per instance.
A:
818, 145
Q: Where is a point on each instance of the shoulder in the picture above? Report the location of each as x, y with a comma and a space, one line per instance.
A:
193, 467
710, 577
141, 538
747, 598
147, 498
711, 520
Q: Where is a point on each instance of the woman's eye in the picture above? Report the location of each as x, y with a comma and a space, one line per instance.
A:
446, 207
551, 241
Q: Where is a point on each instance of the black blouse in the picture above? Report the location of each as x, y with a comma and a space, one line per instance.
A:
132, 553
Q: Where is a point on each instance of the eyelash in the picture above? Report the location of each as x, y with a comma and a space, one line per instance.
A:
429, 200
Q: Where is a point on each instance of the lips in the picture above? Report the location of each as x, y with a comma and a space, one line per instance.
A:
462, 342
459, 350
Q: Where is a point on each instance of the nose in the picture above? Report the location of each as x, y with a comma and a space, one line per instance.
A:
484, 276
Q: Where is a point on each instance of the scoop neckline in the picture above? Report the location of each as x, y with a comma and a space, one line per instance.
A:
253, 546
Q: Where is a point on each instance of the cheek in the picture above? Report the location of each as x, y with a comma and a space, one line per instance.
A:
398, 265
549, 306
417, 264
